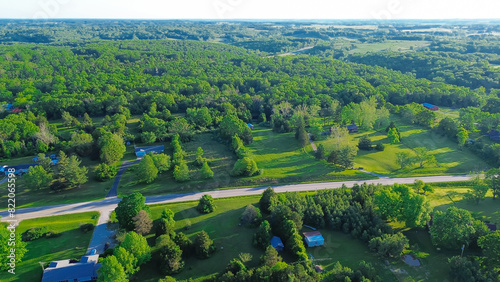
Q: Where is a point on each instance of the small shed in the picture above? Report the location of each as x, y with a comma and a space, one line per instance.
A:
430, 107
250, 125
492, 227
277, 243
352, 128
314, 239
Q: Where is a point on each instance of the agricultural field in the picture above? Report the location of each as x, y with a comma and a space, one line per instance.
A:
389, 45
72, 244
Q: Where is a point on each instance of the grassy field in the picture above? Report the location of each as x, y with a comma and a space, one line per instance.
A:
450, 159
279, 155
222, 227
72, 244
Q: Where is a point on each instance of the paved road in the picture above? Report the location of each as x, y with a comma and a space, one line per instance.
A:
110, 203
114, 189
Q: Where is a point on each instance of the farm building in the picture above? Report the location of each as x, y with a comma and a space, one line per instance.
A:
495, 135
352, 128
65, 270
430, 107
314, 239
277, 244
142, 151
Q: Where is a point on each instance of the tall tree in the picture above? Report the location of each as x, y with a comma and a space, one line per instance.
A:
404, 159
206, 204
112, 148
492, 178
72, 173
138, 246
462, 136
171, 258
146, 170
206, 172
111, 270
37, 177
126, 259
300, 132
181, 172
7, 244
490, 244
129, 207
203, 245
265, 200
393, 136
270, 257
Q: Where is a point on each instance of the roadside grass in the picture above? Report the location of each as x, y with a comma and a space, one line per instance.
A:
222, 226
279, 155
72, 244
450, 158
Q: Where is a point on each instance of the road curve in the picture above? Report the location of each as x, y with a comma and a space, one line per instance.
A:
108, 204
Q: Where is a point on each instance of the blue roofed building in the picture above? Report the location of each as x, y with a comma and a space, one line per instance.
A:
314, 239
142, 151
277, 243
250, 125
430, 107
67, 271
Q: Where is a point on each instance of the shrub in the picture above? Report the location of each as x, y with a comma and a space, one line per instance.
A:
365, 143
380, 147
87, 227
245, 166
34, 233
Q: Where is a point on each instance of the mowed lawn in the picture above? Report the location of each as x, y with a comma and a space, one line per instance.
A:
222, 226
72, 244
450, 159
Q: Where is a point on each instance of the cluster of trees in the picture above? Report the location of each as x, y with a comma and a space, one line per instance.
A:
368, 114
416, 113
67, 174
420, 156
151, 165
245, 165
126, 259
343, 149
181, 170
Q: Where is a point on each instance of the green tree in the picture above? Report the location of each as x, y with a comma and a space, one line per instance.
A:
146, 170
38, 178
464, 269
171, 258
184, 243
104, 172
231, 125
162, 162
6, 246
365, 143
462, 136
300, 132
492, 178
478, 191
129, 207
203, 245
126, 259
166, 223
490, 244
245, 167
270, 257
389, 245
404, 159
206, 204
148, 137
111, 270
142, 222
453, 228
320, 152
72, 173
262, 238
206, 172
251, 216
112, 148
422, 155
138, 246
181, 172
82, 142
199, 157
393, 136
266, 199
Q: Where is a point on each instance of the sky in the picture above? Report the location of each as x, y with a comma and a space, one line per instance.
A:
251, 9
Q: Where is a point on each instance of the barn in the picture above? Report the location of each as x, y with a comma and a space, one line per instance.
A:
277, 243
352, 128
314, 239
430, 107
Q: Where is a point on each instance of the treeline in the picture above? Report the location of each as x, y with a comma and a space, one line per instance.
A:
466, 70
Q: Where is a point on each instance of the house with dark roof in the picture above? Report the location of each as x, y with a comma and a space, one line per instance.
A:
494, 135
314, 239
142, 151
277, 243
430, 107
352, 128
66, 271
